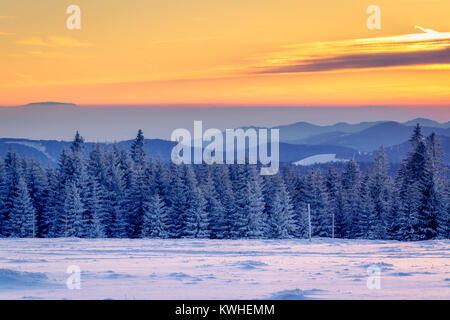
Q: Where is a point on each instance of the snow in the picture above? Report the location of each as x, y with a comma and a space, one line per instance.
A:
223, 269
318, 159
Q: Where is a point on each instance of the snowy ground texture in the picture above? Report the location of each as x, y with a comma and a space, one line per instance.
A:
210, 269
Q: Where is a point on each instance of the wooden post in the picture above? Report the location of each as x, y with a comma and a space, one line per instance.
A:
332, 225
309, 221
34, 225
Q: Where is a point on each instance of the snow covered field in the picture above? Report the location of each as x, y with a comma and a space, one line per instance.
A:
210, 269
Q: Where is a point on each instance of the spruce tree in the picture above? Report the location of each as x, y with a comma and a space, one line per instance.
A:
380, 194
155, 219
36, 178
332, 189
22, 214
196, 217
226, 197
3, 199
137, 150
177, 203
71, 223
213, 207
94, 213
351, 184
256, 219
281, 214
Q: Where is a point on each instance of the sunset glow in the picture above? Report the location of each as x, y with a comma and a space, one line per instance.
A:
225, 53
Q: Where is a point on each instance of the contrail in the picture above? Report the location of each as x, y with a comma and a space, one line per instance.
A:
426, 30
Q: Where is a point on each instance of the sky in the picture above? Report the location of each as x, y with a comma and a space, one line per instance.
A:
226, 52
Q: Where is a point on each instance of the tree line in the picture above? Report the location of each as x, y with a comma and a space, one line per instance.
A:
118, 193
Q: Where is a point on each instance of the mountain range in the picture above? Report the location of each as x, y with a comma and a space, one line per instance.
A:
298, 141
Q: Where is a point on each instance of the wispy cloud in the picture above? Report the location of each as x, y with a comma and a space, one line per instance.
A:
200, 38
371, 60
426, 30
2, 33
53, 41
420, 49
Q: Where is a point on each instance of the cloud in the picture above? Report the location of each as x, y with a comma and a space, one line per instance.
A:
429, 48
364, 61
426, 30
5, 33
53, 41
200, 38
33, 41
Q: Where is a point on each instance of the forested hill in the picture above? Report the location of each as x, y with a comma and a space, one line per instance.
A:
121, 193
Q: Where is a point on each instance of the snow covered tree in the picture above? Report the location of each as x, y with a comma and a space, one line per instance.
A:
72, 218
49, 225
316, 196
368, 223
226, 197
380, 194
334, 196
432, 199
22, 214
94, 213
77, 146
177, 202
137, 150
281, 214
138, 196
155, 219
196, 217
115, 217
37, 184
351, 184
239, 218
256, 220
214, 208
3, 199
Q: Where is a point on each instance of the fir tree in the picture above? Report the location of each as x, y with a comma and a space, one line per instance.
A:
214, 208
72, 218
137, 150
256, 219
226, 197
36, 178
281, 214
94, 213
332, 189
196, 217
3, 199
22, 214
351, 184
380, 196
155, 219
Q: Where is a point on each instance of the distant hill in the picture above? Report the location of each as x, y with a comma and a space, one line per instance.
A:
386, 133
298, 141
48, 152
293, 133
364, 136
49, 103
427, 123
397, 153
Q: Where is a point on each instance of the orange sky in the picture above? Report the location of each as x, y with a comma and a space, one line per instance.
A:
242, 52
